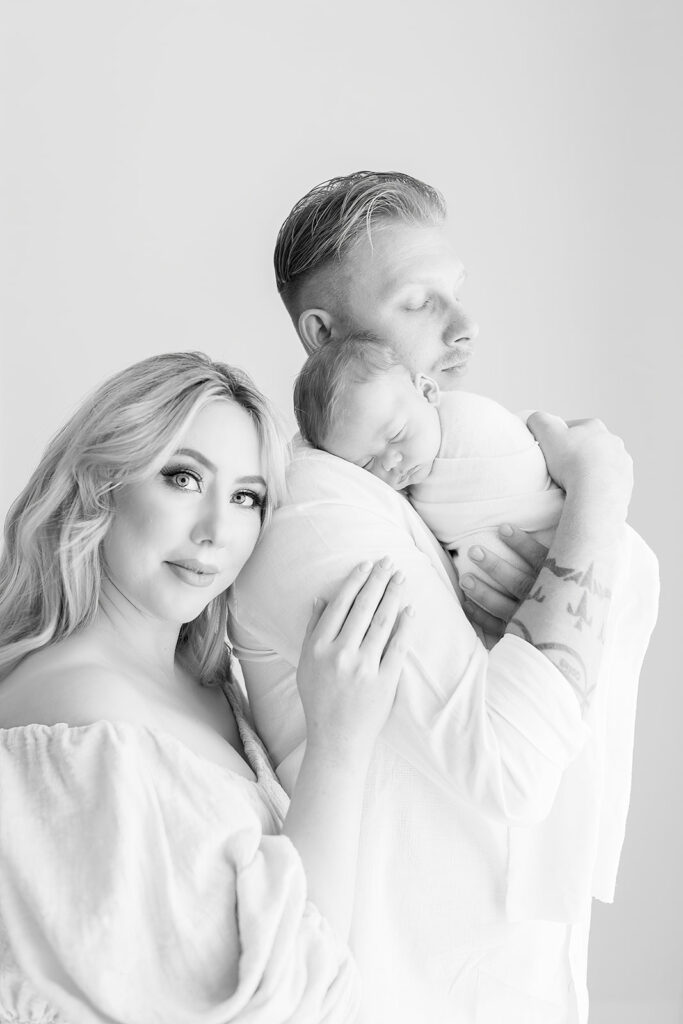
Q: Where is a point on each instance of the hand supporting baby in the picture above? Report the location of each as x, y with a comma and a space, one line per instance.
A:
588, 462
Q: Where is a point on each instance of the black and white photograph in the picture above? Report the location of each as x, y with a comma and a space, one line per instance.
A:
340, 441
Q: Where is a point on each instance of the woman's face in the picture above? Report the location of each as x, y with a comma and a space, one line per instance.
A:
179, 538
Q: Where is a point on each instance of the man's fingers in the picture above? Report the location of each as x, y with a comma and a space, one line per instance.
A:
598, 424
513, 581
544, 426
526, 546
478, 617
502, 606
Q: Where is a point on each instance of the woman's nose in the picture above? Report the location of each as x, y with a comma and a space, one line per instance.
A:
212, 525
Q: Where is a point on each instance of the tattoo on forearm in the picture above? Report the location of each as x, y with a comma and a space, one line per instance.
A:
572, 667
584, 578
526, 635
567, 660
581, 610
580, 613
537, 595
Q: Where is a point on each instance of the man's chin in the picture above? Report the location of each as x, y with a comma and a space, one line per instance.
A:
450, 377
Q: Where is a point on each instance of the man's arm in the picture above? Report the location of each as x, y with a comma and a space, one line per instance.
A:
564, 613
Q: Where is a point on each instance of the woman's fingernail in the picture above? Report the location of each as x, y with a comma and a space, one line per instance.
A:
398, 577
410, 611
506, 530
365, 567
477, 554
467, 582
386, 563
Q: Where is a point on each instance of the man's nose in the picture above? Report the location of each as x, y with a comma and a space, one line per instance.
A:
460, 326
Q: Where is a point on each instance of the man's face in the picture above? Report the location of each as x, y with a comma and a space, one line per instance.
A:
404, 287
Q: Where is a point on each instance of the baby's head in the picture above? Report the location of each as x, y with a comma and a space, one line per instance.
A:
355, 399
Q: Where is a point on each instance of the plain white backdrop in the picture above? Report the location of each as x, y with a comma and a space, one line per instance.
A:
150, 151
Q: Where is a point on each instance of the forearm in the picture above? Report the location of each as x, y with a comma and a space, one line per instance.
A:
323, 822
565, 613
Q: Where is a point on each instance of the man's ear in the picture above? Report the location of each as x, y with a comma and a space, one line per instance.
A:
428, 387
315, 328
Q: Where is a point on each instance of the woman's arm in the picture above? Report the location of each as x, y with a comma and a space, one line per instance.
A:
349, 669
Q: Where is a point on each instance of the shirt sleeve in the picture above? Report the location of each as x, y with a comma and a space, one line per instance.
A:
496, 728
137, 885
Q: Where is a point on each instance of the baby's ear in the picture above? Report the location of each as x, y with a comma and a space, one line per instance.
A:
428, 387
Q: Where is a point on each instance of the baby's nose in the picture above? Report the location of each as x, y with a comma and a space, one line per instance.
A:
391, 459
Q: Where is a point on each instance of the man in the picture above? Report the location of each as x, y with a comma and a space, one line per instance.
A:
472, 905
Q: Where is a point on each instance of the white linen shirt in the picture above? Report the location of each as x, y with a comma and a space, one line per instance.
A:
477, 743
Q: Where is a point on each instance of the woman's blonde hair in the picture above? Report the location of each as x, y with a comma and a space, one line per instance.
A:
51, 566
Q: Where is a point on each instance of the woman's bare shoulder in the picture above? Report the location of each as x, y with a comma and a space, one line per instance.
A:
65, 683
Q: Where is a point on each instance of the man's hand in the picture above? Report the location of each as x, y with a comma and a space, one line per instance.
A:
585, 460
588, 462
492, 606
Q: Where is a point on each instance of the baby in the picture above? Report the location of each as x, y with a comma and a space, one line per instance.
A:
466, 463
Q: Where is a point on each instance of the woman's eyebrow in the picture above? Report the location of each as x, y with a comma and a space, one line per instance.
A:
198, 457
251, 480
194, 454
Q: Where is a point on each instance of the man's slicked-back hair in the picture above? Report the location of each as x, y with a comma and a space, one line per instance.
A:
328, 373
332, 216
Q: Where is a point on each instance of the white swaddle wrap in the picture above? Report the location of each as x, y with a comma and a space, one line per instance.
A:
489, 471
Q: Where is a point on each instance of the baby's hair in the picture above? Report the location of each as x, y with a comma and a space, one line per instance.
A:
328, 373
334, 214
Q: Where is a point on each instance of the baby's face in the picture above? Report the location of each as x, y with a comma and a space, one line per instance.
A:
389, 426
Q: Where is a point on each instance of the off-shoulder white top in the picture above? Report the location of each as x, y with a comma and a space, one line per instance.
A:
142, 884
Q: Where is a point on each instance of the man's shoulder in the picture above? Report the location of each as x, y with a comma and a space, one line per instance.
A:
317, 481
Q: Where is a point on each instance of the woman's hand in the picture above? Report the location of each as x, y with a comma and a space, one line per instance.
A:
351, 660
349, 668
492, 606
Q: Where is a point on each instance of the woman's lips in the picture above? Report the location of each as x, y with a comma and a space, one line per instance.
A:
194, 572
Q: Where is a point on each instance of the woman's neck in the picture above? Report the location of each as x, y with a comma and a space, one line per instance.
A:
137, 638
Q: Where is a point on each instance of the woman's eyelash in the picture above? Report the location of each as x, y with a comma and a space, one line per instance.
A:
171, 471
256, 499
259, 500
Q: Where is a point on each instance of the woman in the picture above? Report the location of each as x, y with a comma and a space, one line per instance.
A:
143, 877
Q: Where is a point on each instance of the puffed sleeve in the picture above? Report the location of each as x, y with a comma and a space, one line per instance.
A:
138, 884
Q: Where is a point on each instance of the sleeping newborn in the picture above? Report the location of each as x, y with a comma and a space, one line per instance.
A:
467, 464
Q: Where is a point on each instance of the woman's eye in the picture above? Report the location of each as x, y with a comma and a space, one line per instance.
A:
248, 499
415, 307
182, 479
